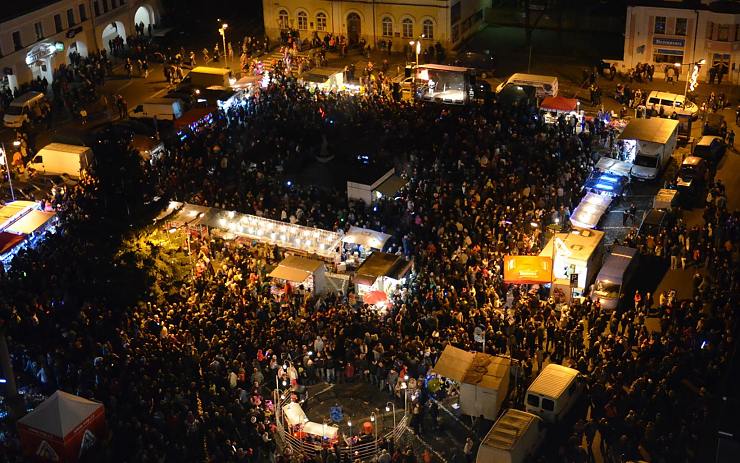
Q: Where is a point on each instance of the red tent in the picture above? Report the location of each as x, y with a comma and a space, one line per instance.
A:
61, 429
559, 103
8, 241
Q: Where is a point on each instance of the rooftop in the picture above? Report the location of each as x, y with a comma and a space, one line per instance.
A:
509, 429
11, 10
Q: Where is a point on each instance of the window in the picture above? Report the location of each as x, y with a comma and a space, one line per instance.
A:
302, 20
283, 19
96, 8
17, 40
320, 21
387, 27
455, 13
710, 30
548, 404
428, 29
682, 25
407, 28
659, 25
533, 400
83, 13
39, 28
723, 33
667, 56
58, 23
70, 17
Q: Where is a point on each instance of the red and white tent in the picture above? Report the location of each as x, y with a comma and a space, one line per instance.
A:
559, 104
61, 428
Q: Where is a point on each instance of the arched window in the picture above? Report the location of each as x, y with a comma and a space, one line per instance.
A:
387, 26
283, 19
302, 20
320, 21
428, 29
407, 28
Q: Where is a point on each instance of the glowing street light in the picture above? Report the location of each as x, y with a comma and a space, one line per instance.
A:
222, 31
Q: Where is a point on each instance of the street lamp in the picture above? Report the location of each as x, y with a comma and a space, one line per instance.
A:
349, 423
222, 31
689, 74
417, 44
391, 406
375, 429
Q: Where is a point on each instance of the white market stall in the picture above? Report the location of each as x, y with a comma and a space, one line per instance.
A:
369, 184
294, 414
381, 272
324, 79
576, 253
364, 240
321, 430
589, 211
22, 225
483, 378
299, 272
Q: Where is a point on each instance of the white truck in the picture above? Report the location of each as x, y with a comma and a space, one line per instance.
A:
514, 438
163, 109
61, 159
203, 77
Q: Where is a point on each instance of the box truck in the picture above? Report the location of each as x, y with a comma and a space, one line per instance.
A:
614, 276
514, 438
61, 159
164, 109
203, 77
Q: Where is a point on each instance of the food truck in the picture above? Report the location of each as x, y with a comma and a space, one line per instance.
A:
577, 256
649, 145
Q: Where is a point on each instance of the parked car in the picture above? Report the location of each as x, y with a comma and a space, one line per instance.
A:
670, 103
711, 148
691, 178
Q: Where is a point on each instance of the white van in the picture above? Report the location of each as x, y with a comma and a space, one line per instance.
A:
514, 438
554, 392
670, 103
21, 108
544, 85
61, 159
614, 276
164, 109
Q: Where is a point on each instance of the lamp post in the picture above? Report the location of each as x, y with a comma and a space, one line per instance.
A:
222, 31
349, 423
4, 161
391, 406
375, 430
701, 62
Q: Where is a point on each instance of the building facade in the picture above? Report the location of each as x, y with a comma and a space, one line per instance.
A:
400, 21
666, 32
35, 41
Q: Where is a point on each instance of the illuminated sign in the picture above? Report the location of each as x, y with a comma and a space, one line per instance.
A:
40, 52
669, 42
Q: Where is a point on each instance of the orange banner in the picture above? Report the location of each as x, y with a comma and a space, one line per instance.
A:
527, 269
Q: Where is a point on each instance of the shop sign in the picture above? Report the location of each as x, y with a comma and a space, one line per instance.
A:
40, 52
669, 42
74, 31
666, 51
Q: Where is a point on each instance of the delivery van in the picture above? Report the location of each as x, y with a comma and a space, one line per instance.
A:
665, 103
554, 392
204, 77
514, 438
544, 85
22, 108
614, 276
164, 109
61, 159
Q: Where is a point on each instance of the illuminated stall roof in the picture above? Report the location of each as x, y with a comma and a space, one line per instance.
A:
31, 222
14, 211
473, 367
9, 240
296, 269
614, 166
559, 103
590, 210
381, 264
366, 237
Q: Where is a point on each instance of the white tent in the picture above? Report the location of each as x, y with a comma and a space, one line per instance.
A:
483, 378
322, 430
294, 414
365, 237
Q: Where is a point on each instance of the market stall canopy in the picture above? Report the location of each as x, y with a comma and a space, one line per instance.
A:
365, 237
31, 222
322, 430
190, 214
60, 414
247, 81
391, 185
171, 208
374, 297
382, 264
473, 367
296, 269
8, 241
614, 166
527, 269
589, 211
654, 130
294, 414
605, 183
559, 103
15, 210
193, 116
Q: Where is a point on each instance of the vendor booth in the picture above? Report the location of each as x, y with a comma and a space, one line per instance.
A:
296, 272
483, 378
576, 253
443, 84
294, 414
381, 272
61, 428
527, 270
324, 431
22, 225
364, 240
323, 79
555, 106
370, 183
590, 210
613, 166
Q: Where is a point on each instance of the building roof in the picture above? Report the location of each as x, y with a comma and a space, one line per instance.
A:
552, 381
381, 264
30, 222
296, 269
655, 130
11, 10
509, 428
717, 6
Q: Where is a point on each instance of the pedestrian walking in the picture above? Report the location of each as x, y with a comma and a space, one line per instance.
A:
468, 450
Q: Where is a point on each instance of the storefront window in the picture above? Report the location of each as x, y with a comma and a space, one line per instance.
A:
321, 21
659, 25
681, 26
302, 20
387, 27
407, 26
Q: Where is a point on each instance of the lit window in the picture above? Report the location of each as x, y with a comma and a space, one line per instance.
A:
387, 27
407, 27
660, 25
283, 19
302, 20
428, 29
320, 21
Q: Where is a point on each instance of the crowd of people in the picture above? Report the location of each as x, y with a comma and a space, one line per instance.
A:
185, 371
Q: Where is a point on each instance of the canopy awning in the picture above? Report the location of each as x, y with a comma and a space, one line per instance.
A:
322, 430
294, 414
559, 103
60, 414
527, 269
365, 237
31, 222
476, 368
290, 274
